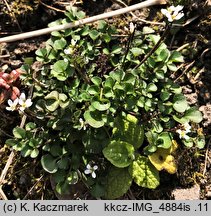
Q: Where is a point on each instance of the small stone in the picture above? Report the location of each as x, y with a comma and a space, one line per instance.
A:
192, 193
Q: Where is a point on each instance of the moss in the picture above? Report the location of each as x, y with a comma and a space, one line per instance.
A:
21, 7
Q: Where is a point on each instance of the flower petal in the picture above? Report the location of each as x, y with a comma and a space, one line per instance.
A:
28, 102
10, 102
87, 171
22, 108
93, 175
9, 109
164, 11
22, 96
179, 16
95, 167
88, 166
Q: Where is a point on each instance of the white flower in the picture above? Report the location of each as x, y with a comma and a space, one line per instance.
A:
65, 60
23, 102
91, 170
12, 104
132, 27
83, 124
187, 127
67, 51
173, 13
182, 134
73, 42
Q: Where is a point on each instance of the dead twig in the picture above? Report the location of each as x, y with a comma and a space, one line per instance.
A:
51, 7
186, 69
206, 158
32, 188
92, 19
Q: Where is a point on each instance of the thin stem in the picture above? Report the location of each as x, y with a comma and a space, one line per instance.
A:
128, 47
155, 47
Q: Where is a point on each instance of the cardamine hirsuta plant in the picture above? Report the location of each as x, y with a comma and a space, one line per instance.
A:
100, 114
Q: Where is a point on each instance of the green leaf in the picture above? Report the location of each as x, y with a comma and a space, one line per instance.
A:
180, 103
97, 190
144, 173
55, 149
101, 105
109, 82
164, 140
49, 163
116, 49
136, 51
117, 75
165, 95
63, 163
26, 151
181, 120
95, 140
152, 87
94, 34
72, 177
163, 56
156, 126
59, 44
11, 142
172, 67
188, 143
41, 52
94, 90
34, 153
200, 142
118, 183
194, 115
94, 119
33, 142
52, 105
96, 80
30, 126
176, 57
52, 95
175, 88
101, 25
119, 153
59, 176
106, 38
56, 34
61, 70
128, 130
19, 133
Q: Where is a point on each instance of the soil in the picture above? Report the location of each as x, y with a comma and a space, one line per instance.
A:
24, 179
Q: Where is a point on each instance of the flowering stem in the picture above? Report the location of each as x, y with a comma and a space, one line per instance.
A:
156, 46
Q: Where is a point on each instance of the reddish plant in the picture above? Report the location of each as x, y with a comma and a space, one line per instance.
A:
9, 85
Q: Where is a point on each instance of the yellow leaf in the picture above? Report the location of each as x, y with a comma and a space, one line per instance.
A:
174, 146
161, 159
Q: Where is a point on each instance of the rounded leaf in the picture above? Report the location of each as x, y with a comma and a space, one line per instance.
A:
34, 153
118, 183
94, 119
101, 105
180, 103
144, 173
194, 115
161, 159
19, 133
119, 153
49, 163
